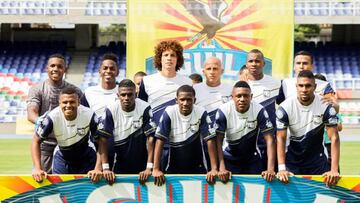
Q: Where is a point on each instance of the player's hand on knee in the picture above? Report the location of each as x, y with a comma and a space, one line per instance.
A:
144, 175
159, 178
95, 175
224, 175
38, 174
268, 175
283, 176
109, 176
331, 178
211, 176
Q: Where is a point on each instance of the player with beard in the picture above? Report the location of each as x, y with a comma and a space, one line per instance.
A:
306, 117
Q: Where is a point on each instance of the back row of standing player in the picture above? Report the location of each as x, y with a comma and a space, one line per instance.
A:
248, 128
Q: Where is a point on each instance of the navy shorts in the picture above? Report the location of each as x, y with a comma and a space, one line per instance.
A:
80, 165
251, 166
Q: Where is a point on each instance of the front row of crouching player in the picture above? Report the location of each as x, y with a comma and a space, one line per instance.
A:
185, 129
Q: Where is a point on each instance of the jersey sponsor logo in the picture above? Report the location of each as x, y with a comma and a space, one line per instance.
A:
81, 131
317, 119
136, 124
251, 124
266, 93
194, 128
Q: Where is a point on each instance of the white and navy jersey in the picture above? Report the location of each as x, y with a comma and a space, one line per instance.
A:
160, 91
72, 136
265, 92
186, 136
96, 98
241, 130
306, 129
130, 130
288, 88
212, 97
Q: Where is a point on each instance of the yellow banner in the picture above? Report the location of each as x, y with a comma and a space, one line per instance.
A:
227, 29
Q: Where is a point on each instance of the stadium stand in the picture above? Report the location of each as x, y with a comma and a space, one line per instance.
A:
32, 7
105, 8
326, 8
91, 75
23, 64
341, 66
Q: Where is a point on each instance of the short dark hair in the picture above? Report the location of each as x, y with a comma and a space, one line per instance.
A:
69, 90
306, 74
320, 77
196, 77
243, 67
57, 55
110, 56
305, 53
185, 88
257, 51
140, 73
166, 45
242, 84
127, 83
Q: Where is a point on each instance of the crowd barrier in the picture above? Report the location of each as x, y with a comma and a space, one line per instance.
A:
187, 188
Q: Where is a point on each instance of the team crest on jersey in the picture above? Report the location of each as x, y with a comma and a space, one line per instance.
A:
266, 93
136, 124
251, 124
317, 119
81, 131
194, 128
225, 99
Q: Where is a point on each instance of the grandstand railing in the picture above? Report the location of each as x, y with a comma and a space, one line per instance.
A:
111, 5
346, 83
37, 7
327, 8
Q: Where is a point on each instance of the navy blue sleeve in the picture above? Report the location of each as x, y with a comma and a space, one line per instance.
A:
163, 130
94, 126
142, 93
328, 89
106, 124
264, 122
83, 101
220, 122
330, 118
281, 97
44, 128
282, 119
206, 130
149, 126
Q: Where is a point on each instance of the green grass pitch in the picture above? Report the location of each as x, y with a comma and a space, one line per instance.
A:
15, 157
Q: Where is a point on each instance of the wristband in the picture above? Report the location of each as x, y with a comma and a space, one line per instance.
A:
105, 166
150, 165
282, 167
